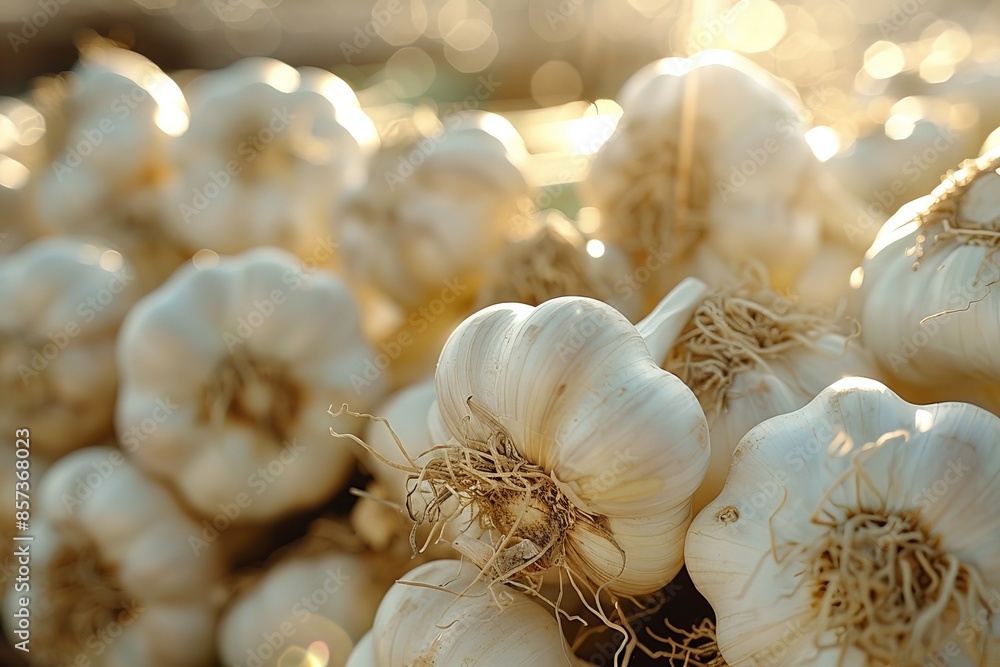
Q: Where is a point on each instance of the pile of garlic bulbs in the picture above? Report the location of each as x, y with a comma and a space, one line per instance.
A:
311, 380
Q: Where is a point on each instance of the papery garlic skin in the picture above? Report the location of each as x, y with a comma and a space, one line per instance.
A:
244, 418
750, 354
682, 169
569, 392
927, 475
930, 299
436, 209
62, 301
95, 508
108, 141
270, 152
329, 598
461, 625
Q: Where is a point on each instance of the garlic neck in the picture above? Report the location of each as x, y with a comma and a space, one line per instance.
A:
254, 391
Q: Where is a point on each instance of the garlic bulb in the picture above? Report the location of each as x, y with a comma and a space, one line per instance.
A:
750, 354
683, 174
453, 617
561, 436
108, 137
22, 132
859, 530
435, 210
61, 303
269, 154
930, 294
241, 428
406, 413
556, 260
329, 598
113, 580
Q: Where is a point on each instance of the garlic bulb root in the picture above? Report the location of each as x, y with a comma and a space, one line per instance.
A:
880, 580
698, 648
739, 330
946, 211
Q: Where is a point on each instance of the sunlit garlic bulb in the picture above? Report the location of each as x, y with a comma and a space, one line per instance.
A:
559, 436
709, 157
22, 157
436, 209
749, 354
240, 428
859, 530
930, 290
556, 260
108, 138
270, 152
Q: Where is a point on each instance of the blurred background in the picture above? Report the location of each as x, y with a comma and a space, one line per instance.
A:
878, 78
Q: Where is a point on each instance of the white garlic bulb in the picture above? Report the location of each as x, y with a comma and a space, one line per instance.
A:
109, 140
556, 260
859, 530
406, 413
241, 427
327, 597
269, 154
453, 617
750, 354
113, 580
684, 174
62, 301
561, 436
930, 294
436, 209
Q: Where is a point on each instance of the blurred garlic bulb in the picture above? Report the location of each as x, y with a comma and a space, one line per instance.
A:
406, 412
453, 617
241, 427
559, 435
113, 580
329, 598
930, 294
859, 530
108, 140
22, 131
62, 301
269, 154
556, 260
436, 209
684, 173
750, 354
